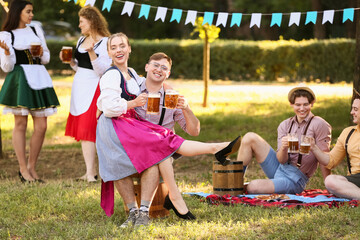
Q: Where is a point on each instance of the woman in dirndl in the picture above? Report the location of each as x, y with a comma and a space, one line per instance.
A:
91, 61
28, 87
127, 144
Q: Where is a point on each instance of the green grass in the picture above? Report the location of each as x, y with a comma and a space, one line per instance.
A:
65, 209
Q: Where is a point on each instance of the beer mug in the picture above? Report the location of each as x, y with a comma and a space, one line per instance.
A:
171, 98
66, 54
305, 145
153, 103
293, 142
35, 49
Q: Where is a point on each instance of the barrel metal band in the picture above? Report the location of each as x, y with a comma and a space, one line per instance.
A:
228, 171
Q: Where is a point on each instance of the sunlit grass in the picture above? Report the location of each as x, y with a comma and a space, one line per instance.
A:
65, 209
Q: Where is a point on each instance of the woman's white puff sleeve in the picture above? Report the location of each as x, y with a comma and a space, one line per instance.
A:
7, 62
110, 101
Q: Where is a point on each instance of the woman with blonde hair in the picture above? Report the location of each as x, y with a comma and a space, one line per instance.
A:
90, 62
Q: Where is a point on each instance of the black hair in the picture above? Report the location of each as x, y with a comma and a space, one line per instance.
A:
13, 16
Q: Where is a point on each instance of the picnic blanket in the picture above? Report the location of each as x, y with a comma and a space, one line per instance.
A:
308, 198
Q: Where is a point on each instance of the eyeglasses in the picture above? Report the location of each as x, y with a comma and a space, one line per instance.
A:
162, 67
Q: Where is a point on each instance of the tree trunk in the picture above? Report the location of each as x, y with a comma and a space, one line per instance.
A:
356, 83
206, 67
319, 28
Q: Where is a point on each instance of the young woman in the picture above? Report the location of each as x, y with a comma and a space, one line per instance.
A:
28, 87
127, 144
91, 61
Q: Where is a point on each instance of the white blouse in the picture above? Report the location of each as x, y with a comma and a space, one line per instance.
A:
23, 38
110, 101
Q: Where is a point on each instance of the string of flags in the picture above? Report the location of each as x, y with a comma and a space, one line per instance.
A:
223, 17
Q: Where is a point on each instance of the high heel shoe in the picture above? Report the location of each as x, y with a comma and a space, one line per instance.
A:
169, 205
23, 180
229, 149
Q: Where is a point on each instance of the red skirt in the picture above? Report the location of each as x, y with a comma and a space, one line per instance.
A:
83, 127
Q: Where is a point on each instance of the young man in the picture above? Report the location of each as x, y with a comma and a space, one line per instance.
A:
287, 172
157, 71
348, 144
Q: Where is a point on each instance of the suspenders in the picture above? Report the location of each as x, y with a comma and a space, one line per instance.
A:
298, 164
346, 145
163, 110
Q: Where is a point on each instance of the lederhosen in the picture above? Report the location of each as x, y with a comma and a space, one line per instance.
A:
16, 92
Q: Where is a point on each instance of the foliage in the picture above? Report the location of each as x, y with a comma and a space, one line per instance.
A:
309, 60
206, 30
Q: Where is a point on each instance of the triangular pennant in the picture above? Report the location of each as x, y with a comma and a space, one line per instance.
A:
255, 19
161, 13
208, 18
294, 18
176, 15
107, 4
348, 14
144, 11
222, 19
311, 17
328, 16
128, 8
75, 1
191, 17
90, 2
276, 19
236, 19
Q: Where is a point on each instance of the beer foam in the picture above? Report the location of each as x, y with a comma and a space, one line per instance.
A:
35, 43
154, 95
66, 47
171, 92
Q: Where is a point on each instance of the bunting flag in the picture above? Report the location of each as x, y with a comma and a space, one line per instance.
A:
191, 17
128, 8
176, 15
348, 14
255, 20
144, 11
90, 2
208, 18
236, 19
311, 17
161, 14
328, 16
107, 5
294, 18
222, 17
276, 19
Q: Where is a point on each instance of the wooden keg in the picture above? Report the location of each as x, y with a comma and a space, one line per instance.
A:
157, 209
228, 179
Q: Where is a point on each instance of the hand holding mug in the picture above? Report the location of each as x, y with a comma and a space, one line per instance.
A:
141, 100
4, 46
182, 102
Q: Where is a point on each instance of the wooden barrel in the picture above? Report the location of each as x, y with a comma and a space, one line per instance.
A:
157, 209
228, 179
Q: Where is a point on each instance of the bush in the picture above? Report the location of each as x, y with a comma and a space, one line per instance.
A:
323, 60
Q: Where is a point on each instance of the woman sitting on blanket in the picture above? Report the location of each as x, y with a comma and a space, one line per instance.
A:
127, 144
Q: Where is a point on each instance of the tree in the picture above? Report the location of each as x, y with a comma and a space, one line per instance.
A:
356, 83
209, 33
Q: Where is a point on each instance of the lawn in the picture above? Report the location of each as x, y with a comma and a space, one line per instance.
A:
65, 209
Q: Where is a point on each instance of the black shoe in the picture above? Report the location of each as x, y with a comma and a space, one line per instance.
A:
39, 180
169, 205
23, 180
229, 149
